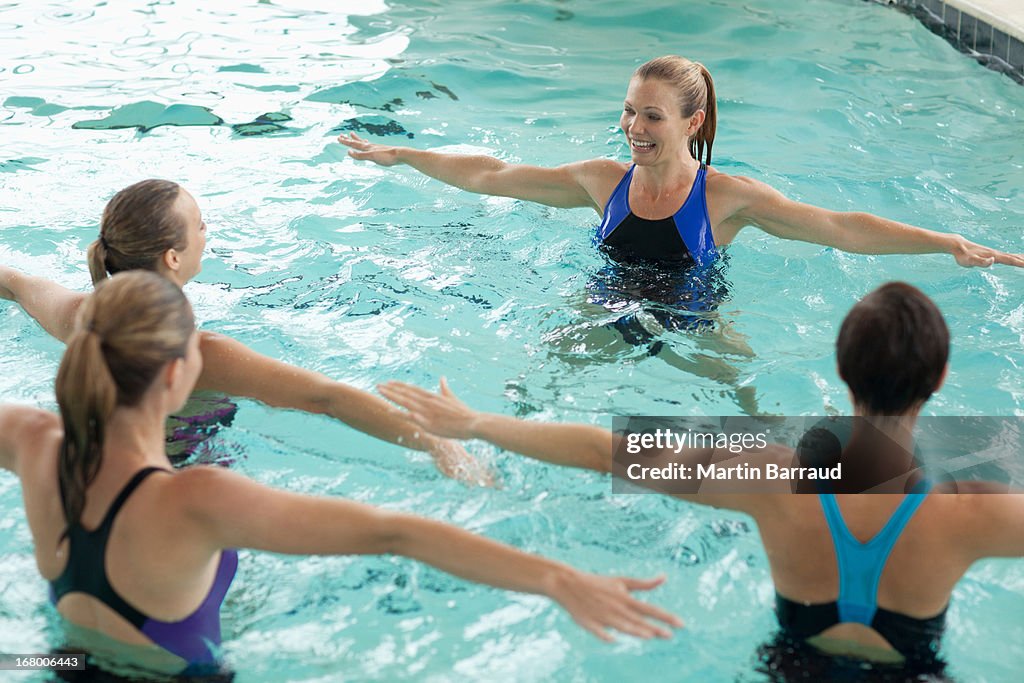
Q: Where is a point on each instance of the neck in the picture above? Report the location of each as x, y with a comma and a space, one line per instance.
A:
882, 447
668, 176
899, 428
135, 436
175, 277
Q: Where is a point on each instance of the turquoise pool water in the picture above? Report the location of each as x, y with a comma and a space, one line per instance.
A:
368, 274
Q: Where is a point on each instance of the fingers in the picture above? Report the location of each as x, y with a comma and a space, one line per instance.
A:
638, 627
654, 612
630, 617
445, 391
610, 606
1010, 259
983, 257
350, 139
403, 395
598, 630
643, 584
407, 392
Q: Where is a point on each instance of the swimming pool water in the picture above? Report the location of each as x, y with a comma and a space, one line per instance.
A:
368, 274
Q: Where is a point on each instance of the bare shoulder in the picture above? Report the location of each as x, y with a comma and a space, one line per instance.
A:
986, 521
595, 172
202, 490
602, 168
729, 481
599, 178
30, 423
29, 438
735, 188
207, 338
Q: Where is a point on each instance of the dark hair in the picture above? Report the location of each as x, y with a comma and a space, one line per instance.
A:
126, 332
892, 349
139, 226
696, 91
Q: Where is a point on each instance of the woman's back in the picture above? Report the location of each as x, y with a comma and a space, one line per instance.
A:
130, 564
801, 549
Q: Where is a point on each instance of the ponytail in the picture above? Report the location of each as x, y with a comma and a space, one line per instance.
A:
130, 328
87, 396
704, 138
97, 256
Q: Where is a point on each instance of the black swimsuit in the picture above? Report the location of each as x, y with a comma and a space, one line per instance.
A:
196, 638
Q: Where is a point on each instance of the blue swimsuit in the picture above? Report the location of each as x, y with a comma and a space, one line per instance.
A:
194, 638
686, 235
860, 568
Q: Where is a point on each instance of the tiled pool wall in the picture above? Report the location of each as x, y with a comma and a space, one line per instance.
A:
975, 28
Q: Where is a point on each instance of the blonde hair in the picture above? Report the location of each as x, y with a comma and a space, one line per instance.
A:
139, 225
130, 328
696, 91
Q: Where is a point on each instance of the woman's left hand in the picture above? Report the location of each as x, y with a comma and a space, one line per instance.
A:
598, 603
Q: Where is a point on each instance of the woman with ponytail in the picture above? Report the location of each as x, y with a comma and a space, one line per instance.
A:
669, 205
156, 225
106, 510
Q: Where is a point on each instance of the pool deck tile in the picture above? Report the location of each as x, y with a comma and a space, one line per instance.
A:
992, 31
1016, 54
1005, 15
1001, 45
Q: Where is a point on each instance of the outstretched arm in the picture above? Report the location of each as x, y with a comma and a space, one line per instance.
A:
572, 185
52, 305
234, 369
574, 445
220, 502
755, 203
577, 445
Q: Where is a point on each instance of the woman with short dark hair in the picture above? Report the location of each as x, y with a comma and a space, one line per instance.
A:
852, 573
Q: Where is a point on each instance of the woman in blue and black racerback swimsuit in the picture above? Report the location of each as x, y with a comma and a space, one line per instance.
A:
868, 576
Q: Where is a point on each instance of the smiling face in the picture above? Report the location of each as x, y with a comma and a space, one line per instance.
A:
653, 123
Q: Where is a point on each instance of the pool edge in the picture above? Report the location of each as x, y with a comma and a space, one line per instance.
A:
981, 29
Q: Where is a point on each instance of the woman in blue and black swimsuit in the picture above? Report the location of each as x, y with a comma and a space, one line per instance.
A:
669, 204
666, 215
868, 576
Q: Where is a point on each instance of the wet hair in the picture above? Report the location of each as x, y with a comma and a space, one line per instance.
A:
126, 332
139, 225
892, 349
696, 91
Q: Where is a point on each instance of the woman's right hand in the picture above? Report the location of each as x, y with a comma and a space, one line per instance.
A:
364, 150
599, 603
